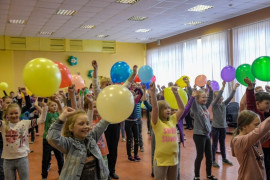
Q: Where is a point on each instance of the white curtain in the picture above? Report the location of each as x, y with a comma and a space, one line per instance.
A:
207, 56
250, 42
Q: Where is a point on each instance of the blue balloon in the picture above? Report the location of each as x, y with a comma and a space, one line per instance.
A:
120, 72
145, 73
146, 84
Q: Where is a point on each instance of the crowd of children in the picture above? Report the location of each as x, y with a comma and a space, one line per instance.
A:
85, 145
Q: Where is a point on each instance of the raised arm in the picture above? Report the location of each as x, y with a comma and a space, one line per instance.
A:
41, 119
72, 97
250, 96
215, 101
96, 88
132, 77
228, 100
185, 79
211, 94
179, 101
243, 103
152, 92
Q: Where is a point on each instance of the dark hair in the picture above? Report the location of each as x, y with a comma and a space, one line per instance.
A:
6, 97
261, 96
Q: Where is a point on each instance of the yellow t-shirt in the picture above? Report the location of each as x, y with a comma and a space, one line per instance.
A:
166, 152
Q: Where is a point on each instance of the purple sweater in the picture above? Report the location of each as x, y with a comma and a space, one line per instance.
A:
180, 121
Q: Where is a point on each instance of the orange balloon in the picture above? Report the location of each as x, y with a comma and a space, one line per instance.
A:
66, 77
200, 80
78, 81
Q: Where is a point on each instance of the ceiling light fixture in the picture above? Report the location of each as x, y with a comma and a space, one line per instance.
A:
200, 8
87, 26
66, 12
102, 36
194, 23
137, 18
45, 33
143, 30
16, 21
127, 1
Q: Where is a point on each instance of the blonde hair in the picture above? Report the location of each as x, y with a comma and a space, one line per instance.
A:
161, 106
12, 105
70, 122
200, 92
103, 80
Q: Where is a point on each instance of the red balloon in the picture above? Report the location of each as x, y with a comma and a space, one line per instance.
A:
153, 78
78, 81
137, 79
65, 75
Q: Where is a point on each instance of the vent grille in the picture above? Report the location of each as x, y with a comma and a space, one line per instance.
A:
76, 45
17, 42
108, 46
57, 44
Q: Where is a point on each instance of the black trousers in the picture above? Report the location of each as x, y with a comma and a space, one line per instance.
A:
112, 135
132, 131
46, 158
218, 135
189, 120
203, 145
266, 152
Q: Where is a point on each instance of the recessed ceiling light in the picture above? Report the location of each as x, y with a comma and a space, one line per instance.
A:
87, 26
194, 23
16, 21
66, 12
102, 36
200, 8
127, 1
143, 30
137, 18
145, 38
45, 33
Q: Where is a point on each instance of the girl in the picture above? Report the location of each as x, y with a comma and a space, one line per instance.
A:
52, 116
202, 129
83, 158
15, 140
219, 123
246, 145
164, 127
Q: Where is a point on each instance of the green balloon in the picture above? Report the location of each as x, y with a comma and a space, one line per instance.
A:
243, 71
260, 68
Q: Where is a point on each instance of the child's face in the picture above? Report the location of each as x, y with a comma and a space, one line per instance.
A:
202, 98
263, 106
81, 127
251, 126
13, 114
7, 102
167, 111
95, 109
11, 95
53, 107
105, 84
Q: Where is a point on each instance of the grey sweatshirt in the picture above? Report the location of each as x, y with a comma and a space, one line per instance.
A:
219, 110
202, 124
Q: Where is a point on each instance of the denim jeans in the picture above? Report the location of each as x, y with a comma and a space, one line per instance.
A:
131, 128
12, 165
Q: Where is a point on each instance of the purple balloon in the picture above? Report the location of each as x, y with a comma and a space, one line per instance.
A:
215, 85
228, 73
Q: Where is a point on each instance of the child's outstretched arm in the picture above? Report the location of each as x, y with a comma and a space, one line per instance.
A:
132, 77
99, 129
179, 101
144, 99
41, 119
243, 103
71, 95
96, 88
228, 100
188, 106
152, 92
185, 79
90, 112
211, 94
54, 136
250, 96
215, 101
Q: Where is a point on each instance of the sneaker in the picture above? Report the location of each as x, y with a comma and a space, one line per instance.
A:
227, 162
148, 132
123, 140
214, 164
31, 142
52, 153
37, 134
152, 174
131, 158
141, 149
196, 178
137, 158
211, 178
44, 178
114, 176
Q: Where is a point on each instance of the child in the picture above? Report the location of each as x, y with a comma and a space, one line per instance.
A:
15, 140
52, 116
246, 145
164, 127
83, 158
202, 129
260, 104
219, 123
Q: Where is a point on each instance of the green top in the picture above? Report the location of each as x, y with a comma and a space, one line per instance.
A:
50, 119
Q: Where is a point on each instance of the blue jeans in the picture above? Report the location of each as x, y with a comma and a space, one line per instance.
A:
12, 165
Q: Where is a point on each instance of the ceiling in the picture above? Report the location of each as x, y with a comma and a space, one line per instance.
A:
165, 18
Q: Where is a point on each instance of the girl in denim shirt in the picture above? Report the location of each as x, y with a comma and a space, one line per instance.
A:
83, 159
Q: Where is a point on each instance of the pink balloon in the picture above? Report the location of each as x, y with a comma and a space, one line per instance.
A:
78, 81
153, 78
200, 80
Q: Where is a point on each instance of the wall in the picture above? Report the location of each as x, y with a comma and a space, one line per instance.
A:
13, 62
217, 27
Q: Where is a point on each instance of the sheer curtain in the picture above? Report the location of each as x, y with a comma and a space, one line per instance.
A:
250, 42
207, 56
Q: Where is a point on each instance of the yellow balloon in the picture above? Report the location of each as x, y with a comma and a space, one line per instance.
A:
180, 82
142, 105
42, 77
170, 98
115, 103
3, 86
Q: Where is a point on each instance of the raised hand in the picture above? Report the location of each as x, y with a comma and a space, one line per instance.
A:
186, 80
194, 93
174, 89
236, 86
94, 64
209, 84
68, 111
135, 67
152, 87
71, 88
267, 88
248, 82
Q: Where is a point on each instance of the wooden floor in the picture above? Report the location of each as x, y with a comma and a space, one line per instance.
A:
142, 170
